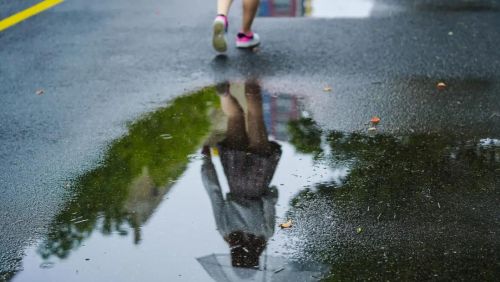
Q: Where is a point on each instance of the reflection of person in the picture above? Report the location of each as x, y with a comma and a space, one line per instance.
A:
246, 218
245, 38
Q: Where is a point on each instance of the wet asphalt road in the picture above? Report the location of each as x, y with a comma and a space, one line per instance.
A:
102, 64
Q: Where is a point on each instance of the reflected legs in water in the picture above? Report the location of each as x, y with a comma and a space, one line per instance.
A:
236, 135
256, 128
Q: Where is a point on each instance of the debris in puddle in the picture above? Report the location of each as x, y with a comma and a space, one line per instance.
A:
450, 33
279, 269
441, 86
439, 205
327, 89
287, 224
495, 114
166, 136
375, 120
372, 129
76, 218
359, 230
195, 157
81, 221
378, 217
40, 92
47, 265
87, 259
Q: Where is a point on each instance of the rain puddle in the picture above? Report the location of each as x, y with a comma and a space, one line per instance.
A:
197, 191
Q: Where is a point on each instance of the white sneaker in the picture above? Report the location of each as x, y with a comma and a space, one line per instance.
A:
248, 40
219, 36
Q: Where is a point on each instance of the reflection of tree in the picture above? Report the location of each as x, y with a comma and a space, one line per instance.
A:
137, 171
305, 135
425, 205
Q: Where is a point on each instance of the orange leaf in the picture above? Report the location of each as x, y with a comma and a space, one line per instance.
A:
287, 224
375, 120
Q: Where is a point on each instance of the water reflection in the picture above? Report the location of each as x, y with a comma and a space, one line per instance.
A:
370, 206
414, 207
246, 218
120, 196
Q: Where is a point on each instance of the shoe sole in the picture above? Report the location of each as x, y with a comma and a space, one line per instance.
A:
219, 40
247, 46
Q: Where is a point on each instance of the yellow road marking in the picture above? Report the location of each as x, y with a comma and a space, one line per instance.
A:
33, 10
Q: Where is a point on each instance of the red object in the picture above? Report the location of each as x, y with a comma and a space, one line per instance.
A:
375, 120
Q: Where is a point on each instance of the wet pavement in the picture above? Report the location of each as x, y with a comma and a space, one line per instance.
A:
192, 192
106, 139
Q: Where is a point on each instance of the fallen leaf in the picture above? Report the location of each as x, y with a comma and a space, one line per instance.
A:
375, 120
327, 89
40, 92
441, 85
287, 224
359, 230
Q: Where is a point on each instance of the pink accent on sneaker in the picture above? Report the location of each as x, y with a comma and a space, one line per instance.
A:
223, 18
245, 37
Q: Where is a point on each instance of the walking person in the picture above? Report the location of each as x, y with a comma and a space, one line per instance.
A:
246, 38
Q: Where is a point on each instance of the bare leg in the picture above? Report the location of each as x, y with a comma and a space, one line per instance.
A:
257, 133
223, 7
249, 10
236, 134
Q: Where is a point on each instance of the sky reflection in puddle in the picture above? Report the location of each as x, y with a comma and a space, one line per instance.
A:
183, 198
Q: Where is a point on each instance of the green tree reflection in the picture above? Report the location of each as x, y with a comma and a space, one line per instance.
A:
137, 171
414, 207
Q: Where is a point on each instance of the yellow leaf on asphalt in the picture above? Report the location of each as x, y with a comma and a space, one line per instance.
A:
287, 224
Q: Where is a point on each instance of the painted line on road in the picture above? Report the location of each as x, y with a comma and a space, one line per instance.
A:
31, 11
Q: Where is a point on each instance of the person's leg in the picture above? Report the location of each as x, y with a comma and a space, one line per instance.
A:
249, 10
257, 133
246, 38
236, 135
223, 7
